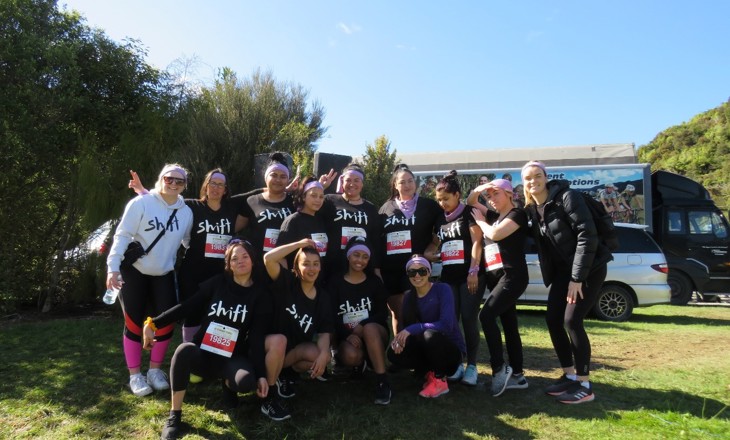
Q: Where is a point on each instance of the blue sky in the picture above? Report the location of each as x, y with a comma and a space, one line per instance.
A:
458, 75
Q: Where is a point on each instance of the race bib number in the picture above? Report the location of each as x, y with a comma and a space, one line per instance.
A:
398, 243
492, 257
270, 238
220, 339
352, 319
452, 252
348, 232
215, 245
320, 239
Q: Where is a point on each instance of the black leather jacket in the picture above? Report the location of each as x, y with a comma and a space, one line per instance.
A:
574, 238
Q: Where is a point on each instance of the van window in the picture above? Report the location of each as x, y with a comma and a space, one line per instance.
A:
719, 225
675, 225
700, 222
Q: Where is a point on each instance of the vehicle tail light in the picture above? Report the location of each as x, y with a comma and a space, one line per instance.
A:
663, 268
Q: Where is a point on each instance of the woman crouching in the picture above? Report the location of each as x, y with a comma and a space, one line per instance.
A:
431, 341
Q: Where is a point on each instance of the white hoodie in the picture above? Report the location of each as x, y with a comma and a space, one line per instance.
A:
143, 219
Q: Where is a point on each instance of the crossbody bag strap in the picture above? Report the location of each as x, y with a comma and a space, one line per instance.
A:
159, 236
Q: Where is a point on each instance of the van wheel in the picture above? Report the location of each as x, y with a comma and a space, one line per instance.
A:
681, 288
614, 304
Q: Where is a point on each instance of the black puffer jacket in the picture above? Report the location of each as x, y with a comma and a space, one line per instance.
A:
575, 239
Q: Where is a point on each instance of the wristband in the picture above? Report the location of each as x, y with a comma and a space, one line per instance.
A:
149, 322
473, 270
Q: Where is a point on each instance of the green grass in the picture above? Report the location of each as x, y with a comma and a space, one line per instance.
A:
664, 374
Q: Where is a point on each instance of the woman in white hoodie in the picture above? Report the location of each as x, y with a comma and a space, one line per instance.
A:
149, 283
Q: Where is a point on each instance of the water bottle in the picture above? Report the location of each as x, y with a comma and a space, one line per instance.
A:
110, 296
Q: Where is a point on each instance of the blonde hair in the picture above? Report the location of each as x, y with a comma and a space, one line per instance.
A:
171, 167
533, 163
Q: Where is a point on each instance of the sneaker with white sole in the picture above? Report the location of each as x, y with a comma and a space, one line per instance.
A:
516, 383
499, 380
457, 375
157, 379
139, 385
275, 410
285, 388
471, 375
437, 386
383, 393
578, 395
562, 385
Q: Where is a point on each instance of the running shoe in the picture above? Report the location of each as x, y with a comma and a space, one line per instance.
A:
457, 375
499, 380
275, 410
171, 430
383, 393
157, 379
285, 388
561, 386
579, 395
471, 375
139, 385
436, 387
516, 382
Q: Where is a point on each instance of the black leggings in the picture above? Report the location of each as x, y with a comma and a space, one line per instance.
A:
428, 351
189, 358
467, 308
146, 295
501, 304
565, 321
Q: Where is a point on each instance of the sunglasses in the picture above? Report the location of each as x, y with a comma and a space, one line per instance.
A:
176, 180
422, 271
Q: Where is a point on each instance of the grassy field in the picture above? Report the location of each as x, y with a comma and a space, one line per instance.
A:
664, 374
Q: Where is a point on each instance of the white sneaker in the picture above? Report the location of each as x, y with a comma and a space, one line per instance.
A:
157, 379
139, 385
471, 375
499, 380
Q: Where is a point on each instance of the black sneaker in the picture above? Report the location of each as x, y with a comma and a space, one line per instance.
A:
580, 395
285, 388
561, 386
229, 398
275, 410
382, 393
172, 427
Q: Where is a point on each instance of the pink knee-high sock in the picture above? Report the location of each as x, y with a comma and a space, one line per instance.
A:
189, 332
132, 352
158, 351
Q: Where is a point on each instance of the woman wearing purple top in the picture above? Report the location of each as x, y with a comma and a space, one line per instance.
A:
431, 341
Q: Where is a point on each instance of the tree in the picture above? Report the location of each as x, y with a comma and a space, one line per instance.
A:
76, 109
378, 164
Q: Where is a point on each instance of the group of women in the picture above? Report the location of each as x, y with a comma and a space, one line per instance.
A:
321, 274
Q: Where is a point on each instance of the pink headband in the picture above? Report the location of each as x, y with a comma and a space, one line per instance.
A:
277, 167
341, 180
219, 176
169, 168
312, 184
534, 163
418, 260
358, 247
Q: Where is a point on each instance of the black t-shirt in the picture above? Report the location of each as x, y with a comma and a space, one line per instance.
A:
298, 317
360, 303
402, 237
298, 226
210, 234
249, 310
344, 220
456, 246
265, 219
512, 247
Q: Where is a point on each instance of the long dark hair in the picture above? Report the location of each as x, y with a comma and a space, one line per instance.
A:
299, 195
206, 182
305, 251
396, 170
248, 247
410, 309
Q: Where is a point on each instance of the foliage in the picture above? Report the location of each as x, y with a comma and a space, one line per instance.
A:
644, 390
699, 149
76, 109
234, 120
378, 164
